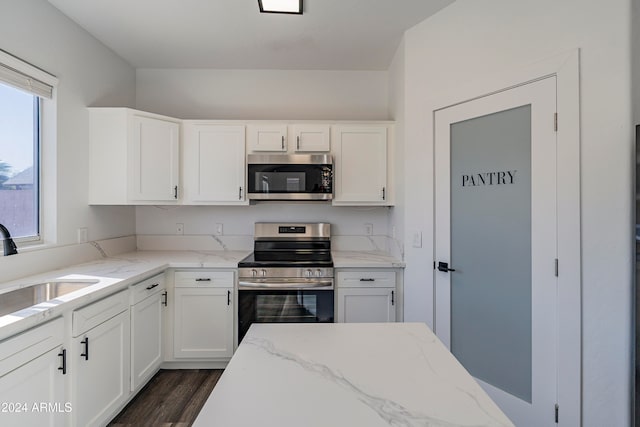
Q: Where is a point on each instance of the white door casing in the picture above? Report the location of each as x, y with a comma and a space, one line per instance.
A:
541, 96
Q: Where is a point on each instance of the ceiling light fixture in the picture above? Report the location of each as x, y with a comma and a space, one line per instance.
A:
281, 6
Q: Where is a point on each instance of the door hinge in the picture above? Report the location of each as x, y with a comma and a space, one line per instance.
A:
555, 122
557, 410
556, 267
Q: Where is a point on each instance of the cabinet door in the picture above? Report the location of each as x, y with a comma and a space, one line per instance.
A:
214, 164
203, 323
311, 138
267, 137
33, 394
146, 339
363, 305
154, 159
100, 376
361, 165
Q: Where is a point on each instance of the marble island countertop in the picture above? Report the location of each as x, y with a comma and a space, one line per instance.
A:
112, 273
390, 374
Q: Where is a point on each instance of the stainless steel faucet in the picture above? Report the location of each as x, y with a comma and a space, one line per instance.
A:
8, 243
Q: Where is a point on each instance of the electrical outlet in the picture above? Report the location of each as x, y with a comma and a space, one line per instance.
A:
417, 239
82, 234
219, 229
179, 228
368, 229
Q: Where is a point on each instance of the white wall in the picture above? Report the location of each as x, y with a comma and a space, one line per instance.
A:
263, 94
238, 221
89, 75
397, 100
476, 41
635, 82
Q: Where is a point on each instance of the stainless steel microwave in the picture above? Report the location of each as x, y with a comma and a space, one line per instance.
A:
290, 176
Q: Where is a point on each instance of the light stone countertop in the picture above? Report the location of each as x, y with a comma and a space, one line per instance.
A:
362, 259
351, 375
113, 273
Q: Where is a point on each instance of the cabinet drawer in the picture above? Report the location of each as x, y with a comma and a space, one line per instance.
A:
99, 312
366, 279
204, 279
146, 288
22, 348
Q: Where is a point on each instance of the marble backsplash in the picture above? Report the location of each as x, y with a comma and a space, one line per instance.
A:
35, 260
206, 242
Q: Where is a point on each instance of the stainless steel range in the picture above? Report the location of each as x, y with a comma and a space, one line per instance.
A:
289, 276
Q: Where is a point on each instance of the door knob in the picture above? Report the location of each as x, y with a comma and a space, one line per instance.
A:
444, 267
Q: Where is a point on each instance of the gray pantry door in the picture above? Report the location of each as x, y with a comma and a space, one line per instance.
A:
495, 245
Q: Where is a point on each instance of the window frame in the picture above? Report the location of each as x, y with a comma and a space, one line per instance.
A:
44, 112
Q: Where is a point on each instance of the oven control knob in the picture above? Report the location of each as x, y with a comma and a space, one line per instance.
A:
263, 272
254, 273
318, 273
308, 274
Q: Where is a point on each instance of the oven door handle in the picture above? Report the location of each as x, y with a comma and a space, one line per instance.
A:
275, 285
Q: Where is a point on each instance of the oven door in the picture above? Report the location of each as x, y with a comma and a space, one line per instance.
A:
268, 305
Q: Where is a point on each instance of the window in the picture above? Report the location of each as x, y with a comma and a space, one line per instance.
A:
19, 155
22, 93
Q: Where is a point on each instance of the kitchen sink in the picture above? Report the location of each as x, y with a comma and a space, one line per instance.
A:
22, 298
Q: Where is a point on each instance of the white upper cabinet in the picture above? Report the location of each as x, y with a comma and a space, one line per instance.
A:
154, 154
360, 157
133, 157
311, 138
214, 164
267, 137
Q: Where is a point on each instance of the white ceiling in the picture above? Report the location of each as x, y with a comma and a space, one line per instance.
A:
232, 34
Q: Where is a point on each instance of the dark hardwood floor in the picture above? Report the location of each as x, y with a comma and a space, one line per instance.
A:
172, 398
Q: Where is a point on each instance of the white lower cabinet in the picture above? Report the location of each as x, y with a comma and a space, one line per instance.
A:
366, 296
146, 329
32, 378
203, 315
100, 360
